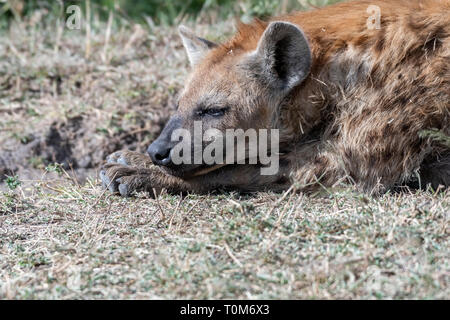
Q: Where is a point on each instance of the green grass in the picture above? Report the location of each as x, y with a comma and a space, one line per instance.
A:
158, 11
437, 136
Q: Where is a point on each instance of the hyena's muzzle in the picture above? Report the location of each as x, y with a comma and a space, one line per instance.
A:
161, 152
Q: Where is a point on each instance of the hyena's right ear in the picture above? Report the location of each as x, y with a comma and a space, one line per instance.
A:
282, 59
196, 47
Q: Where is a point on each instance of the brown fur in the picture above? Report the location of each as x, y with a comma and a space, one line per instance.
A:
355, 119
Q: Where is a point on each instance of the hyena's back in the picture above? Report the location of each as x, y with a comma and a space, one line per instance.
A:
382, 87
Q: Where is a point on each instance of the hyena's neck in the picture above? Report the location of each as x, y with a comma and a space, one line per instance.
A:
315, 102
341, 49
345, 50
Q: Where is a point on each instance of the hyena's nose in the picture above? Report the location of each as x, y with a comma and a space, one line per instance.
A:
160, 153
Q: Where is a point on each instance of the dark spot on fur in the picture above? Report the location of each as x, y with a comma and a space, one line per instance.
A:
361, 41
387, 130
373, 159
284, 162
372, 137
432, 45
405, 127
387, 155
320, 161
348, 153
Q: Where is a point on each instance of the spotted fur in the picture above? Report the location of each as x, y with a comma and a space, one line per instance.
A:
354, 118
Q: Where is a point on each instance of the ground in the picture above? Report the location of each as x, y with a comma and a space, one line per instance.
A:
65, 105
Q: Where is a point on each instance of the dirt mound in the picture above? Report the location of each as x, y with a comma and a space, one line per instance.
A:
75, 144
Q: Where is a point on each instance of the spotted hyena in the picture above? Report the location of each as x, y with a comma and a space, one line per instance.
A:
349, 93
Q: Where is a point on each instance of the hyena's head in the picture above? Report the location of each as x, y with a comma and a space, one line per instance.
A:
238, 85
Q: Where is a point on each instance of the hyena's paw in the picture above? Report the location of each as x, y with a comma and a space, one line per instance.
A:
127, 171
130, 158
124, 179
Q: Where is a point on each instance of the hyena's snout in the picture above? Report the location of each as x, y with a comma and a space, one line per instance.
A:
160, 150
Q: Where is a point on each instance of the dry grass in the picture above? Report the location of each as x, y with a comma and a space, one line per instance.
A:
62, 238
75, 242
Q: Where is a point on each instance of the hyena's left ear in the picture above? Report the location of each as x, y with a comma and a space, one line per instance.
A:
196, 47
282, 59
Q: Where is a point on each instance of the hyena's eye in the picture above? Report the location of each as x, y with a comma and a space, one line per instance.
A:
212, 112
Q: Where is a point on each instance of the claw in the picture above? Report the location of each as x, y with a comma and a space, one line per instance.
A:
112, 158
122, 161
107, 183
120, 174
124, 190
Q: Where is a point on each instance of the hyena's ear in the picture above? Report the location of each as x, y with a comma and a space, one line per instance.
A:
282, 59
196, 47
